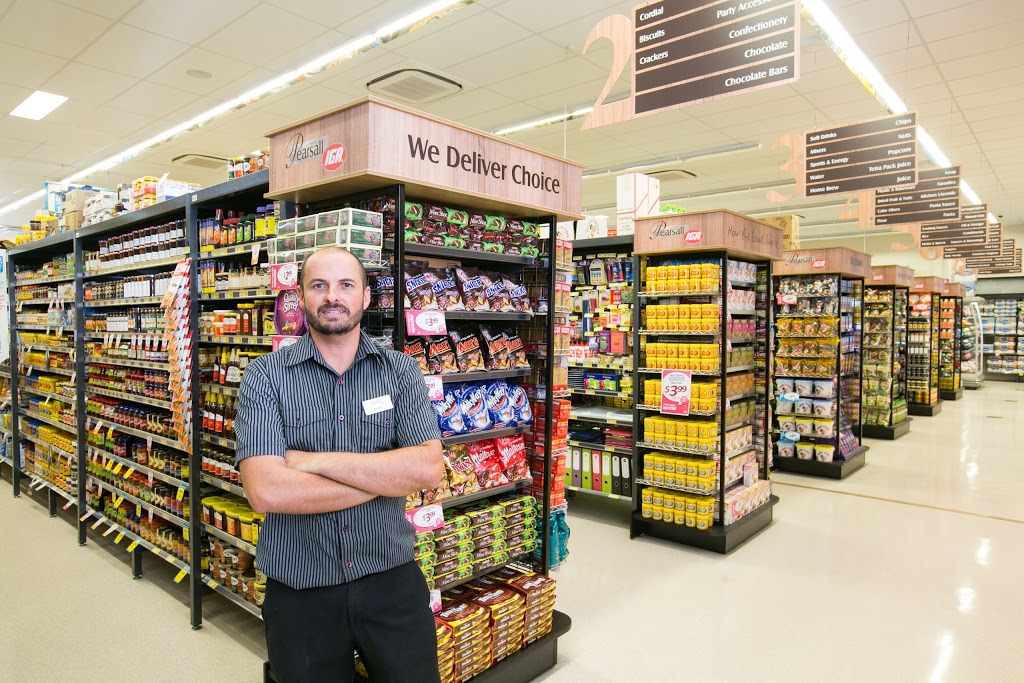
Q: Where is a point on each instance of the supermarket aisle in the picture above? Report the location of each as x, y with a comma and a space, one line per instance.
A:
71, 614
919, 593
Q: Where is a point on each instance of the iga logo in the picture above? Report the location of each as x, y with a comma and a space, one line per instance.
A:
334, 157
693, 236
819, 264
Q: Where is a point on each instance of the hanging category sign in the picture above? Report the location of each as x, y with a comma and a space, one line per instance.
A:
954, 234
936, 197
861, 156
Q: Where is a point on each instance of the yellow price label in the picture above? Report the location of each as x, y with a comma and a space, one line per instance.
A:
138, 509
117, 468
109, 465
130, 472
117, 539
110, 433
133, 546
117, 501
180, 576
181, 493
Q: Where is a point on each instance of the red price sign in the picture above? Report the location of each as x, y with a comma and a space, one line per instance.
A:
675, 392
282, 341
425, 323
426, 518
284, 276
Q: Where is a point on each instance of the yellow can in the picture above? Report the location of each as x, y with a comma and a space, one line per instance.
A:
691, 504
655, 513
647, 495
659, 463
705, 505
691, 483
695, 311
680, 518
649, 473
646, 509
704, 522
648, 461
692, 467
672, 311
672, 285
657, 498
707, 468
659, 433
668, 515
668, 501
670, 434
691, 519
706, 484
671, 272
648, 433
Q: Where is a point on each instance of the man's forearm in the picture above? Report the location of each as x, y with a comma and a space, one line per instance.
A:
395, 473
291, 492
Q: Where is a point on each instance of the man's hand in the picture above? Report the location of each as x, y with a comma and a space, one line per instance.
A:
299, 460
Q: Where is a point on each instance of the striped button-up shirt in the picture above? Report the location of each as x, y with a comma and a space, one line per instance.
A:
292, 399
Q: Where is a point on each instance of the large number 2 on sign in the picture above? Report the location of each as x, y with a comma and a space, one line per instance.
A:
618, 29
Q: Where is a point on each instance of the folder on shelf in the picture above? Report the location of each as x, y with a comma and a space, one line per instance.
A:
606, 472
585, 475
577, 470
616, 475
595, 471
627, 481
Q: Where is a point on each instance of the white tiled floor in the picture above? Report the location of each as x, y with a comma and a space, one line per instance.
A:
906, 571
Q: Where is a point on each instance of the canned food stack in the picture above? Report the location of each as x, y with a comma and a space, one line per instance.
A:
670, 507
663, 469
235, 570
685, 277
696, 436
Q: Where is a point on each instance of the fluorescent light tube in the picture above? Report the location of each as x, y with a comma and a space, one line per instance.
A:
38, 104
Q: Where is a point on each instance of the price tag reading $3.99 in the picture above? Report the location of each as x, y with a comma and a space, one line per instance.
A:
426, 518
425, 323
675, 392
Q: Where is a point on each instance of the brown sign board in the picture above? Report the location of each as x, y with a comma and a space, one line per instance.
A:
928, 284
954, 289
896, 276
689, 51
840, 260
372, 143
922, 203
705, 231
876, 154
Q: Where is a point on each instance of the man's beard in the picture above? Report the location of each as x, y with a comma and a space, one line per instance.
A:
339, 326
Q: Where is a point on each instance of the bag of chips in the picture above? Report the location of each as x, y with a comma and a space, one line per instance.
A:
441, 357
495, 350
516, 351
419, 291
459, 465
416, 350
442, 283
468, 354
471, 285
518, 296
486, 464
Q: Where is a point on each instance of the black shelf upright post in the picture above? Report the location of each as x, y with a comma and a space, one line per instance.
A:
195, 533
638, 423
15, 451
549, 400
399, 260
80, 378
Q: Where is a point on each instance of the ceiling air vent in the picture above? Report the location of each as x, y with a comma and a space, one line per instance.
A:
200, 160
671, 174
413, 85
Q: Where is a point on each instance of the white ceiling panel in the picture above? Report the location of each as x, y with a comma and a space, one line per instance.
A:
27, 68
328, 12
247, 38
152, 99
226, 73
309, 97
251, 121
871, 15
966, 18
50, 27
106, 119
131, 51
993, 80
529, 54
186, 21
543, 15
492, 120
111, 9
87, 84
922, 8
303, 51
16, 148
481, 33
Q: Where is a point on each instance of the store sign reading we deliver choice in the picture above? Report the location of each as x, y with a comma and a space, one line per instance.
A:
675, 392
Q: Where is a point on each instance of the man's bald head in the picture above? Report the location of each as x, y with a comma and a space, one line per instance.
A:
327, 252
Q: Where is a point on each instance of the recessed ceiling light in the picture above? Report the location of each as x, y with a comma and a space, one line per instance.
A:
199, 73
38, 104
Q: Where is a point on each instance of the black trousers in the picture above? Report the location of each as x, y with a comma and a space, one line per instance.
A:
386, 617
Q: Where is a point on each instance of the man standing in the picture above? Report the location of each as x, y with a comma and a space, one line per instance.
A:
333, 433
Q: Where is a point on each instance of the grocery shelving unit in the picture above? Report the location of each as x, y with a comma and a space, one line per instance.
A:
951, 306
818, 410
885, 353
972, 356
923, 346
384, 178
1002, 326
717, 242
601, 352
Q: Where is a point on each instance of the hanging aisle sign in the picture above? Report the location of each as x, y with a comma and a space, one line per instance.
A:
862, 156
684, 52
936, 197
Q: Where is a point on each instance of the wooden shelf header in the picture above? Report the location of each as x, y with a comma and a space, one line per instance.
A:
704, 231
954, 289
897, 276
372, 143
936, 285
846, 262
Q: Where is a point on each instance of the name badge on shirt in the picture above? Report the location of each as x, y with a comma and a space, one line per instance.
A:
372, 406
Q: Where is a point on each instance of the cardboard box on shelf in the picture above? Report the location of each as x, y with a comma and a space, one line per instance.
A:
73, 220
788, 223
637, 196
75, 199
592, 227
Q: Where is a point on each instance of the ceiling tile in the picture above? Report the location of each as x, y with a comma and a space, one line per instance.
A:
188, 21
151, 99
329, 12
978, 64
106, 119
111, 9
87, 84
469, 103
245, 31
304, 100
67, 29
529, 54
16, 148
250, 121
11, 96
544, 15
354, 73
966, 18
131, 51
33, 68
225, 73
479, 34
872, 14
993, 80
